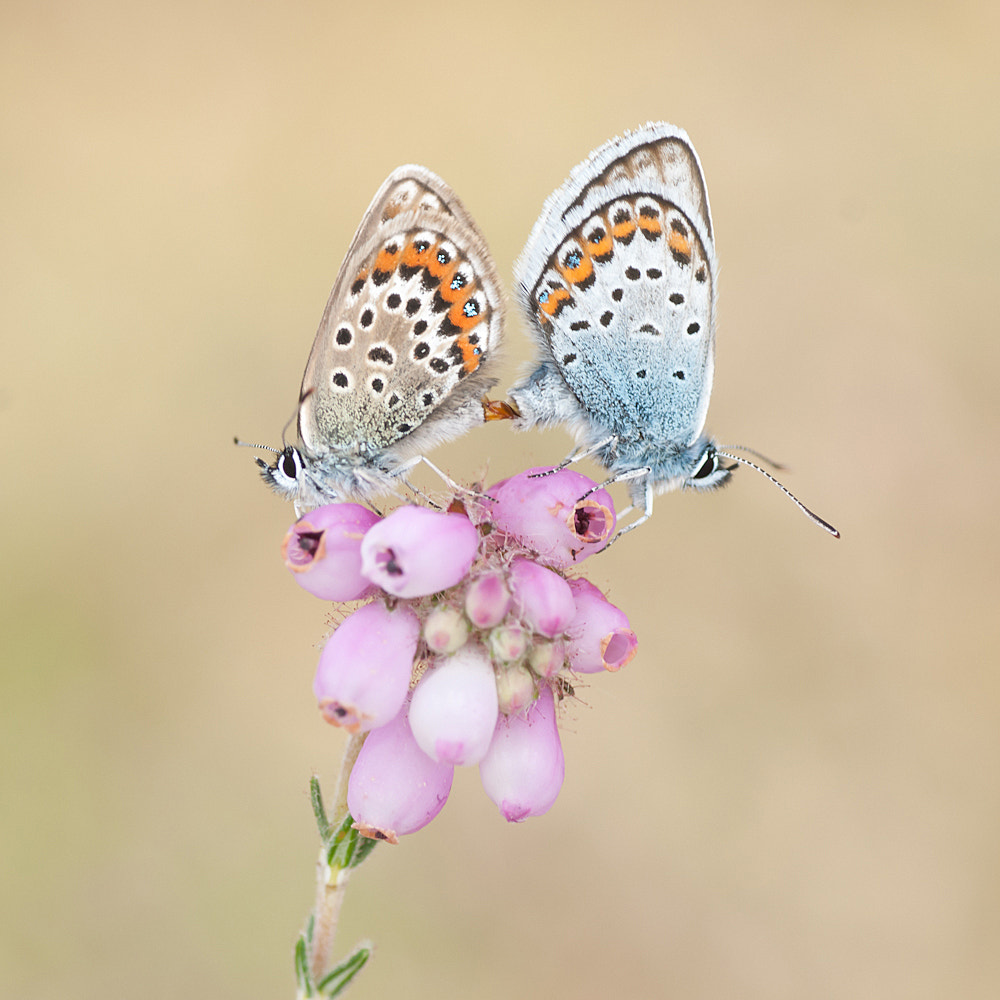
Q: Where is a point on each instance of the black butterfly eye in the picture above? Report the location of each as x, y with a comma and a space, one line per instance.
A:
708, 466
288, 464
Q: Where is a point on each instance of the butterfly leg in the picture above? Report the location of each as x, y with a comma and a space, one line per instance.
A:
576, 456
445, 478
402, 471
625, 477
452, 485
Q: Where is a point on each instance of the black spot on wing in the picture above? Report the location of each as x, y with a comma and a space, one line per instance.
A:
381, 355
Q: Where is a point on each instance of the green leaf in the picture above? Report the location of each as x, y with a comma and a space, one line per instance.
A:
347, 848
319, 810
335, 982
302, 978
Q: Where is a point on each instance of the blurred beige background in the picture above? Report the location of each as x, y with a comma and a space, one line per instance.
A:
793, 790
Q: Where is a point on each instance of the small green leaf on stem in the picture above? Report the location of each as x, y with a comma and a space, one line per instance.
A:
335, 982
319, 810
302, 978
346, 848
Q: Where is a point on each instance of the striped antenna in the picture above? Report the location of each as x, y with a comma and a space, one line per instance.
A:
815, 518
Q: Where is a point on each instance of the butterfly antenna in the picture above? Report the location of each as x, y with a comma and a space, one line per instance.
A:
756, 454
249, 444
296, 415
815, 518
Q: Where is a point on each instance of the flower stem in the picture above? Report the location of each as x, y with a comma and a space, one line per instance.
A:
331, 881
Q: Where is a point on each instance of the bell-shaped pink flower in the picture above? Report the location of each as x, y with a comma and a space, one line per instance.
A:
542, 598
599, 637
453, 709
323, 551
395, 788
556, 515
508, 643
547, 658
523, 769
445, 630
515, 688
364, 670
416, 551
487, 600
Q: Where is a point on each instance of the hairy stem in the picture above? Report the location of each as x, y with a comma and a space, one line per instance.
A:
331, 883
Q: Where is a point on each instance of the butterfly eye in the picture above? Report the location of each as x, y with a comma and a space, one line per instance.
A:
708, 465
283, 476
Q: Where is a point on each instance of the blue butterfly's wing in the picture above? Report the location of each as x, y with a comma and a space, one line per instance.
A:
617, 281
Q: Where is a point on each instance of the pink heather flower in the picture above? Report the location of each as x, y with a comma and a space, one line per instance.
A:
487, 600
416, 551
542, 598
551, 515
547, 658
323, 551
453, 710
445, 630
508, 642
364, 670
523, 769
395, 788
599, 637
500, 641
515, 688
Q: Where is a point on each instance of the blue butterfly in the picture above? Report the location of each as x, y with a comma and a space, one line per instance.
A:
618, 282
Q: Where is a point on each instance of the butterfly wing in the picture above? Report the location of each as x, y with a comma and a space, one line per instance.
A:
409, 336
617, 280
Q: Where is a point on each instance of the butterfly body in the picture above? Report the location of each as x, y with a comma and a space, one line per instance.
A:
404, 351
618, 282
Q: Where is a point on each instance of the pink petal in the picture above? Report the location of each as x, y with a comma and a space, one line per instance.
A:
416, 551
395, 788
364, 670
453, 710
524, 768
555, 515
542, 598
599, 637
487, 600
323, 551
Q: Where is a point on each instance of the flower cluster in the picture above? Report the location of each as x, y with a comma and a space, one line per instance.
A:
472, 636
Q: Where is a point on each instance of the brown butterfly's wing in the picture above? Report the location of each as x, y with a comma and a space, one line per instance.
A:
409, 337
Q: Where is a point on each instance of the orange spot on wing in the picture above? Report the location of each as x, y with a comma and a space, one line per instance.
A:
582, 271
456, 295
678, 243
386, 261
602, 247
444, 272
472, 354
623, 230
412, 257
456, 314
650, 224
554, 302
